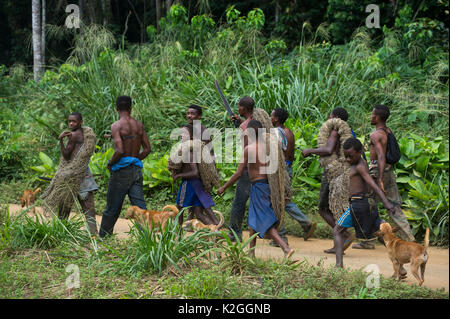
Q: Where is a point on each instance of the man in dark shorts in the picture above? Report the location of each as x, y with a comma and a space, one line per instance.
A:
87, 187
261, 216
333, 146
125, 165
359, 214
286, 137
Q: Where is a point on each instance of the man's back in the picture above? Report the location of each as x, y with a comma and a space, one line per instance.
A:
129, 133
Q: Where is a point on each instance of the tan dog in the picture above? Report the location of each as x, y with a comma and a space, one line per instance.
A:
28, 197
153, 218
402, 252
198, 225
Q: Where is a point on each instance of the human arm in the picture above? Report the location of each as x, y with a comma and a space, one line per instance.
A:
66, 151
236, 117
377, 142
364, 173
146, 149
237, 174
118, 146
191, 173
325, 150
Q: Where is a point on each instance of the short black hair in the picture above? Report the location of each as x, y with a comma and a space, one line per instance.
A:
123, 103
197, 108
281, 114
382, 111
255, 125
354, 143
247, 102
341, 113
77, 114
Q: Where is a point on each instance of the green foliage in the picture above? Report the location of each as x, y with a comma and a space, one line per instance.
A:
235, 255
155, 251
422, 174
24, 232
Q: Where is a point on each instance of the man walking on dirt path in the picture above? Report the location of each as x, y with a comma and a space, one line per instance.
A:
261, 216
278, 118
194, 116
243, 185
383, 173
359, 214
125, 165
333, 146
87, 187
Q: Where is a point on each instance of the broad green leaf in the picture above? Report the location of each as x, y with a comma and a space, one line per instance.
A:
310, 181
39, 169
422, 162
403, 179
45, 159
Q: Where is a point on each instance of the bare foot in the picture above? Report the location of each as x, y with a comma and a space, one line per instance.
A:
331, 251
289, 253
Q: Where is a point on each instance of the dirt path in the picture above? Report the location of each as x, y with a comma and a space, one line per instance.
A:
436, 275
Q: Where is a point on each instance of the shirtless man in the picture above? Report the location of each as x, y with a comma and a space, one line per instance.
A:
278, 118
332, 146
359, 214
191, 191
125, 165
194, 116
382, 172
261, 217
85, 194
242, 192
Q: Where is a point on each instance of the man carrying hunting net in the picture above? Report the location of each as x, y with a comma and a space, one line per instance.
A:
266, 193
334, 188
73, 178
279, 182
192, 162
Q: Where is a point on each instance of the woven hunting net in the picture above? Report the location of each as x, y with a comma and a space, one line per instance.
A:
203, 158
63, 188
280, 189
335, 165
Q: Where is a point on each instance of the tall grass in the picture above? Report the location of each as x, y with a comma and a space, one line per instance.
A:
155, 251
24, 232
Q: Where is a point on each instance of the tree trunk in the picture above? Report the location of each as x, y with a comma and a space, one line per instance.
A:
277, 11
37, 38
168, 5
158, 13
43, 36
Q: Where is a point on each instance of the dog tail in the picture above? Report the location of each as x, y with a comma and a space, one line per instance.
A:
173, 208
427, 239
221, 219
36, 190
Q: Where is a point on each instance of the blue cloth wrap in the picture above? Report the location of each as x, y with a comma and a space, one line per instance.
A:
261, 216
127, 161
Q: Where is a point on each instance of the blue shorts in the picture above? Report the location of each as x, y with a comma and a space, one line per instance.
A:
346, 220
192, 193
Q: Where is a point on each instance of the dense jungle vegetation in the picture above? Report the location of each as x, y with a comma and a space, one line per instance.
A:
305, 56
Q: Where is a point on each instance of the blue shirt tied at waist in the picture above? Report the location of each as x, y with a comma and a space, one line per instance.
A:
127, 161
